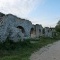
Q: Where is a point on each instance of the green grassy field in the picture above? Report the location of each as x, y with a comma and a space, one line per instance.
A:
22, 50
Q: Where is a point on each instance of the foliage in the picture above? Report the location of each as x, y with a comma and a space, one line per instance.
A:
58, 27
10, 50
1, 14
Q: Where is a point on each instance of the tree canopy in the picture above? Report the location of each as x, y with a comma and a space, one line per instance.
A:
58, 26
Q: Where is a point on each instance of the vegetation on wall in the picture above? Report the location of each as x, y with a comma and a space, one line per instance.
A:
1, 14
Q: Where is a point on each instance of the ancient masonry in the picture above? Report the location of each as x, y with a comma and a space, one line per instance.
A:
16, 28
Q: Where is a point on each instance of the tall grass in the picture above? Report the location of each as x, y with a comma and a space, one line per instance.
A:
22, 50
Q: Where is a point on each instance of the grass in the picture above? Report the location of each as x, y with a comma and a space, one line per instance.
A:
22, 50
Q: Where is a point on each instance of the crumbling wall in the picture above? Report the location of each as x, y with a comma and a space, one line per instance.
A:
16, 28
9, 27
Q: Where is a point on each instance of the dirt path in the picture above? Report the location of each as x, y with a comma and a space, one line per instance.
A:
50, 52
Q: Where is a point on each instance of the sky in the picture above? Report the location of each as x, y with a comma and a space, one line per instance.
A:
45, 12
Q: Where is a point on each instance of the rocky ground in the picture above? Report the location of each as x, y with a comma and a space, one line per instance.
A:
50, 52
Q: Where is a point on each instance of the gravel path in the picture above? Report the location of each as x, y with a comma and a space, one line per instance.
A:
50, 52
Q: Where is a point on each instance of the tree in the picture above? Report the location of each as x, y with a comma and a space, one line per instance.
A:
58, 26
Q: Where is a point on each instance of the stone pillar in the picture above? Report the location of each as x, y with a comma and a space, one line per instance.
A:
37, 30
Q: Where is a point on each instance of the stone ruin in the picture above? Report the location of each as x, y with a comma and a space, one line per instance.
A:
17, 28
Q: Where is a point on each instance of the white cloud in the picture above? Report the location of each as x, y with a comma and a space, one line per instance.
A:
20, 8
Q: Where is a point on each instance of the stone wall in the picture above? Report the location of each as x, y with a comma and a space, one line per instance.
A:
13, 27
16, 28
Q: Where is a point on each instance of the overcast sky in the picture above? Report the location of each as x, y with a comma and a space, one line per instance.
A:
45, 12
